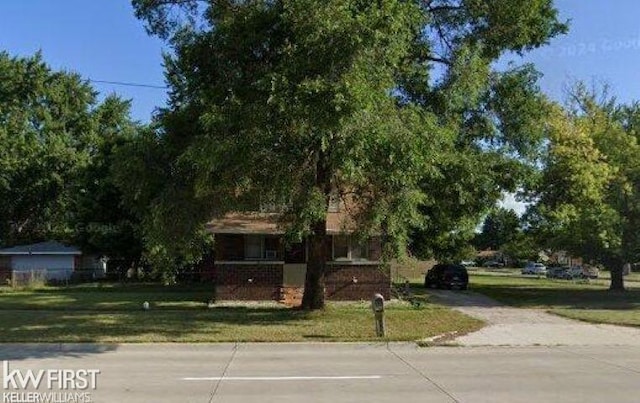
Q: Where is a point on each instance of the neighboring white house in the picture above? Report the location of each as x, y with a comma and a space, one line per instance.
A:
55, 259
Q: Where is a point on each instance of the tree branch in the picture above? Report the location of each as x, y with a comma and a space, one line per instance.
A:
439, 60
443, 8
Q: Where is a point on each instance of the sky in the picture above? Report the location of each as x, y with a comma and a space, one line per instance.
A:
99, 39
602, 46
102, 40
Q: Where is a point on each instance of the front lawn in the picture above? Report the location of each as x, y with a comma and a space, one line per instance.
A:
113, 314
579, 299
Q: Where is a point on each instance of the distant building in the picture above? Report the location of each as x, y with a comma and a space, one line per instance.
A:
51, 260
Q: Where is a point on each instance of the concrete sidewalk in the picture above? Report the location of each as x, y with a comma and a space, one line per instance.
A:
507, 326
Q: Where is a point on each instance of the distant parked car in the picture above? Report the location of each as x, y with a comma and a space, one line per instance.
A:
493, 263
573, 272
535, 268
590, 272
447, 276
558, 272
468, 263
583, 272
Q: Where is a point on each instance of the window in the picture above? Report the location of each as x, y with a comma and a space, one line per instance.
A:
340, 247
334, 203
359, 250
261, 247
349, 248
253, 247
271, 247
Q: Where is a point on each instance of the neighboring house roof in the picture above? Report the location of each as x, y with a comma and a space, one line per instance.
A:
267, 223
561, 256
544, 255
488, 253
42, 248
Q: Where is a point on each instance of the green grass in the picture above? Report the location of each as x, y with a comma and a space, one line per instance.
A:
607, 316
589, 301
113, 314
101, 297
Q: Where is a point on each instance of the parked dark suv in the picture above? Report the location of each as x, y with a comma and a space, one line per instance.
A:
447, 276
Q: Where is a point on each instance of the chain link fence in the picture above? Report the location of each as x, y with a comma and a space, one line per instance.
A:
40, 277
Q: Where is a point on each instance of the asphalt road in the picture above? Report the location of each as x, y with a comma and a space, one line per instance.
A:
342, 372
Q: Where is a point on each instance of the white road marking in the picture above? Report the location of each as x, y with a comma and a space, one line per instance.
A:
282, 378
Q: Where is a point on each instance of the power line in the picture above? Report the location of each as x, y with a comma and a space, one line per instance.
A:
125, 84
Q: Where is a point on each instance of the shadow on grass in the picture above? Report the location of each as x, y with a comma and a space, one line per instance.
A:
17, 352
216, 324
114, 313
240, 315
108, 297
570, 298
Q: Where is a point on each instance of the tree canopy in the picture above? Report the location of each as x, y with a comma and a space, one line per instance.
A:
392, 104
46, 135
56, 142
588, 197
499, 228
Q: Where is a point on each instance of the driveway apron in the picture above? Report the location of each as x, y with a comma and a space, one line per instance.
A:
508, 326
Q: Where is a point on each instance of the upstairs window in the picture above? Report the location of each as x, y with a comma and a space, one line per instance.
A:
253, 247
261, 247
334, 203
341, 247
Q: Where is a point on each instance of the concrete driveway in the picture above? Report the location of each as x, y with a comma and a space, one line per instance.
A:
507, 326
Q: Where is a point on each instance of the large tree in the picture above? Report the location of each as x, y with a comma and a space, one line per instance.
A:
102, 221
57, 144
588, 199
385, 103
45, 136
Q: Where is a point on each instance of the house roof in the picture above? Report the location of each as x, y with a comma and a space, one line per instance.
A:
267, 223
487, 253
42, 248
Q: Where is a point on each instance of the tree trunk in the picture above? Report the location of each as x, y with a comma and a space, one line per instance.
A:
313, 297
617, 279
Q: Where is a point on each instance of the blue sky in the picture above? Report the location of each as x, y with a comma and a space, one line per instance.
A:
102, 40
603, 45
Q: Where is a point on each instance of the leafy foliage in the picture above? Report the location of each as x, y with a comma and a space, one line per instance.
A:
387, 103
102, 223
500, 227
57, 143
46, 135
589, 195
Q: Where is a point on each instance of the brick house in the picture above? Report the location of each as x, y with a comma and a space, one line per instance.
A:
251, 261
